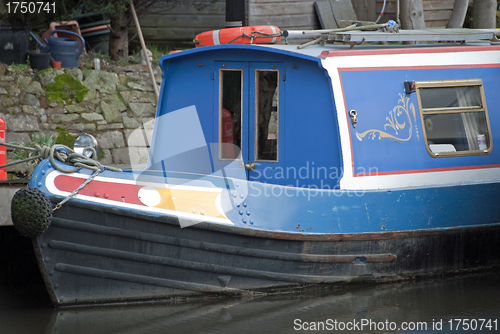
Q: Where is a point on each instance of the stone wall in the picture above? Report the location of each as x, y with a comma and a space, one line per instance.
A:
110, 105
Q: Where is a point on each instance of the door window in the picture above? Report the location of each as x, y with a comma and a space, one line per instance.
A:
266, 115
230, 113
248, 113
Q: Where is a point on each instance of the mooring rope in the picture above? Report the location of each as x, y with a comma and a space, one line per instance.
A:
62, 154
68, 157
252, 36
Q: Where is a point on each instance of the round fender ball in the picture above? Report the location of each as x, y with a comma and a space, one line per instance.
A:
31, 212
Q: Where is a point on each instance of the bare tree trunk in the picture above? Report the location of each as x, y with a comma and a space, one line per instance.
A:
458, 14
484, 14
412, 14
118, 39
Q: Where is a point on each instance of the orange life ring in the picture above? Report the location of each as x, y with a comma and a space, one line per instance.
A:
240, 35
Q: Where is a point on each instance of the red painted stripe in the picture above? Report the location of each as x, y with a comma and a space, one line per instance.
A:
434, 49
113, 191
427, 170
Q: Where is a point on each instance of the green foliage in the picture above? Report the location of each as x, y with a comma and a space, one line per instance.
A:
122, 62
64, 137
40, 139
65, 89
64, 10
110, 8
158, 51
18, 67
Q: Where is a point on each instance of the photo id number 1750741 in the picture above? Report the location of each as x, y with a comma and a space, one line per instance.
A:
30, 7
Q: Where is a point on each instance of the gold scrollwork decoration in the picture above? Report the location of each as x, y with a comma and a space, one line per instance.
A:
396, 121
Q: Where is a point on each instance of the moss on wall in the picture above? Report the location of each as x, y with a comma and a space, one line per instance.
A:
64, 137
65, 89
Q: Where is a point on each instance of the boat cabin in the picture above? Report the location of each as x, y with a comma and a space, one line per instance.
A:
330, 117
253, 108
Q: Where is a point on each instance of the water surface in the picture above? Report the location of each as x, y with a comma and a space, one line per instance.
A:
375, 309
425, 306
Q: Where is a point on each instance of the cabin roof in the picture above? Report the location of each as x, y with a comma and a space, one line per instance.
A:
312, 53
317, 52
319, 47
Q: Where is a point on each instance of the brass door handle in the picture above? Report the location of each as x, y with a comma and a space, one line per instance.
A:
250, 165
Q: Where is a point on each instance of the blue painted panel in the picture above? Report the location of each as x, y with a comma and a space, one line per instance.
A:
312, 141
186, 83
310, 151
276, 208
380, 100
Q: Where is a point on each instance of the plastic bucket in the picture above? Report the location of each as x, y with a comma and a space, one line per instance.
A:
14, 42
39, 60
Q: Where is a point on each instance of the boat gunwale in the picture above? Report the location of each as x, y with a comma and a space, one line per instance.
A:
280, 235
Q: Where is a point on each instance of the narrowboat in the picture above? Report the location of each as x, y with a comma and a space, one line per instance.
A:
274, 167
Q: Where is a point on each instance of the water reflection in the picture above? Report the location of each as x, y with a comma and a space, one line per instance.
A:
424, 302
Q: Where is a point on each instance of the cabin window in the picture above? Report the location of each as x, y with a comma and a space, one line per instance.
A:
266, 115
230, 104
454, 117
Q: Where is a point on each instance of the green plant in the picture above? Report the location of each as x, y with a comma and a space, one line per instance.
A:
94, 54
122, 62
158, 51
18, 67
40, 139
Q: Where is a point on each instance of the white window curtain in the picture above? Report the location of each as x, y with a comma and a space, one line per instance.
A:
467, 97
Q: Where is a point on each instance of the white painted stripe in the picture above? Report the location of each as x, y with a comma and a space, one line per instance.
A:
415, 59
49, 183
215, 37
274, 32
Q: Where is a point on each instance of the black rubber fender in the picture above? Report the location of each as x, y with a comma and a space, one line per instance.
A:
31, 212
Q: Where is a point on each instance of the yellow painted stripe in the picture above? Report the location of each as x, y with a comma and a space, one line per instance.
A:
189, 201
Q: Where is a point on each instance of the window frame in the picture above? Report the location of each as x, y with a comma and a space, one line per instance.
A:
453, 110
257, 112
220, 128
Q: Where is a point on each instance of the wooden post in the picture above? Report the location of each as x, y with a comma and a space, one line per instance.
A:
235, 13
458, 14
484, 14
412, 15
143, 45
